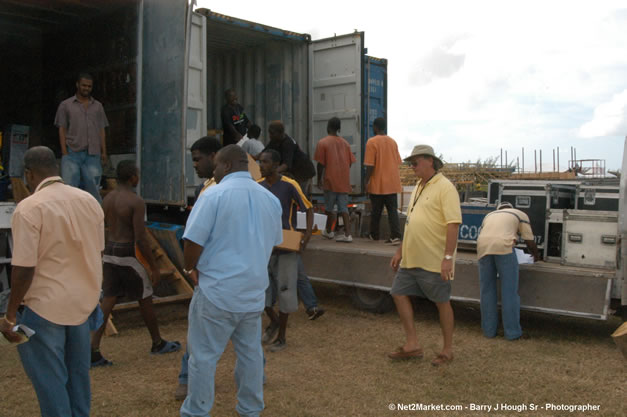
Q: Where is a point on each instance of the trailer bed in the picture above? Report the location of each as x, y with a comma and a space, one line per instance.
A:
544, 286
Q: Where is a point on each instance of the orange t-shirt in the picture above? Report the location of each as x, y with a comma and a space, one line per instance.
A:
382, 154
335, 154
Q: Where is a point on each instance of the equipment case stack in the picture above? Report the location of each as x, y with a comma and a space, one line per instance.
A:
537, 199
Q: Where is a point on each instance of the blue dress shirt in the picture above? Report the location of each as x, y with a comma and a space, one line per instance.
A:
237, 222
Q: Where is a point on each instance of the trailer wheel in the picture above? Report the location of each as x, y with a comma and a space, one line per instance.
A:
374, 301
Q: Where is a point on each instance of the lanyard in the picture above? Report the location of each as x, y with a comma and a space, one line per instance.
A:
419, 194
47, 183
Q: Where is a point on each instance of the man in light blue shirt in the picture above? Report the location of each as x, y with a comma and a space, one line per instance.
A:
235, 217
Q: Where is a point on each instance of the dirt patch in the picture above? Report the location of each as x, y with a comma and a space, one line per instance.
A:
336, 366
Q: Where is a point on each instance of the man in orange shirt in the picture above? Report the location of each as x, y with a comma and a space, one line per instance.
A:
334, 157
383, 180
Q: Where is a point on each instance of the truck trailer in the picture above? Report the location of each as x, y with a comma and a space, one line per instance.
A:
160, 69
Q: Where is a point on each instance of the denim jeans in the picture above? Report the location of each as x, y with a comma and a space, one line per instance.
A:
82, 169
507, 268
210, 329
184, 373
391, 205
57, 359
303, 286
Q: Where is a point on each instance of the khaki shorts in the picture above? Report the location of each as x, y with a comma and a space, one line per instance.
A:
425, 284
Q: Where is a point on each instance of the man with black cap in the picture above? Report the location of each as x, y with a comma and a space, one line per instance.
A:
495, 250
426, 256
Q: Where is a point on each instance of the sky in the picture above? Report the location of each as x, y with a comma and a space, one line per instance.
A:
472, 78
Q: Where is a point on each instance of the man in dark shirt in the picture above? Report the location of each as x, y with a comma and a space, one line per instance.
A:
283, 266
234, 120
294, 162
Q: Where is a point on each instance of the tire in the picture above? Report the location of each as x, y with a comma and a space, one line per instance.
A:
374, 301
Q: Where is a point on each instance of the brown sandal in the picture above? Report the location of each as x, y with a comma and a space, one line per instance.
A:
441, 359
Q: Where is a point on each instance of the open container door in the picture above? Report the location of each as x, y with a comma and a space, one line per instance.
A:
163, 85
336, 79
375, 94
196, 114
621, 270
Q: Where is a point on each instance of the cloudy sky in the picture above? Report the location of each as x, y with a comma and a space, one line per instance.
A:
470, 78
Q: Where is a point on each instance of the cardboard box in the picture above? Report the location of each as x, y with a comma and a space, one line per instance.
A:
253, 168
291, 240
620, 338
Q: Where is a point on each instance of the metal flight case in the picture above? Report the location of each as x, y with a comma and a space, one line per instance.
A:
535, 198
598, 197
590, 238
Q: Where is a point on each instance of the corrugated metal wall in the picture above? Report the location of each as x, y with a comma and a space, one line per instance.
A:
270, 78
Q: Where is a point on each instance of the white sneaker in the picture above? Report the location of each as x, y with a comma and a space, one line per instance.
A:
329, 235
344, 238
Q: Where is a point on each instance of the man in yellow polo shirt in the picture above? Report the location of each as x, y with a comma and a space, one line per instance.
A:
427, 255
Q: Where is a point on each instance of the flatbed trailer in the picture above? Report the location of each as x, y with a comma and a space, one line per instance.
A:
544, 286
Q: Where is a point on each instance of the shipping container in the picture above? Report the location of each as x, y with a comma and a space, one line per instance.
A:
161, 70
287, 76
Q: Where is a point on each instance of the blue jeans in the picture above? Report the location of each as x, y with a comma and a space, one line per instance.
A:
57, 359
210, 329
184, 374
303, 286
82, 169
507, 268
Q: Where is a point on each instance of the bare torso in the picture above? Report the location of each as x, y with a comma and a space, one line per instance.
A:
123, 209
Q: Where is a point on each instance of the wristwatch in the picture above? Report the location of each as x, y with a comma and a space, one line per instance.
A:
448, 257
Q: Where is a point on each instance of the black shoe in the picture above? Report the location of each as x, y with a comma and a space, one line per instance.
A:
315, 312
524, 336
97, 360
277, 346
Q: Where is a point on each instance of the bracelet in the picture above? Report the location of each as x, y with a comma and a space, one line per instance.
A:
186, 272
8, 321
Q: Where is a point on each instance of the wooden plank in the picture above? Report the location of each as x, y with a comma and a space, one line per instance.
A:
162, 300
168, 237
110, 330
166, 266
181, 285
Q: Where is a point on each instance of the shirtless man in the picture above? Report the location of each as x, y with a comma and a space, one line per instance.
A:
123, 274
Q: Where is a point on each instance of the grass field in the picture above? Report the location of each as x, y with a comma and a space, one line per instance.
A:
336, 366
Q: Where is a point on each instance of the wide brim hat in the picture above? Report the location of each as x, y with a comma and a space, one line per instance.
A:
423, 150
